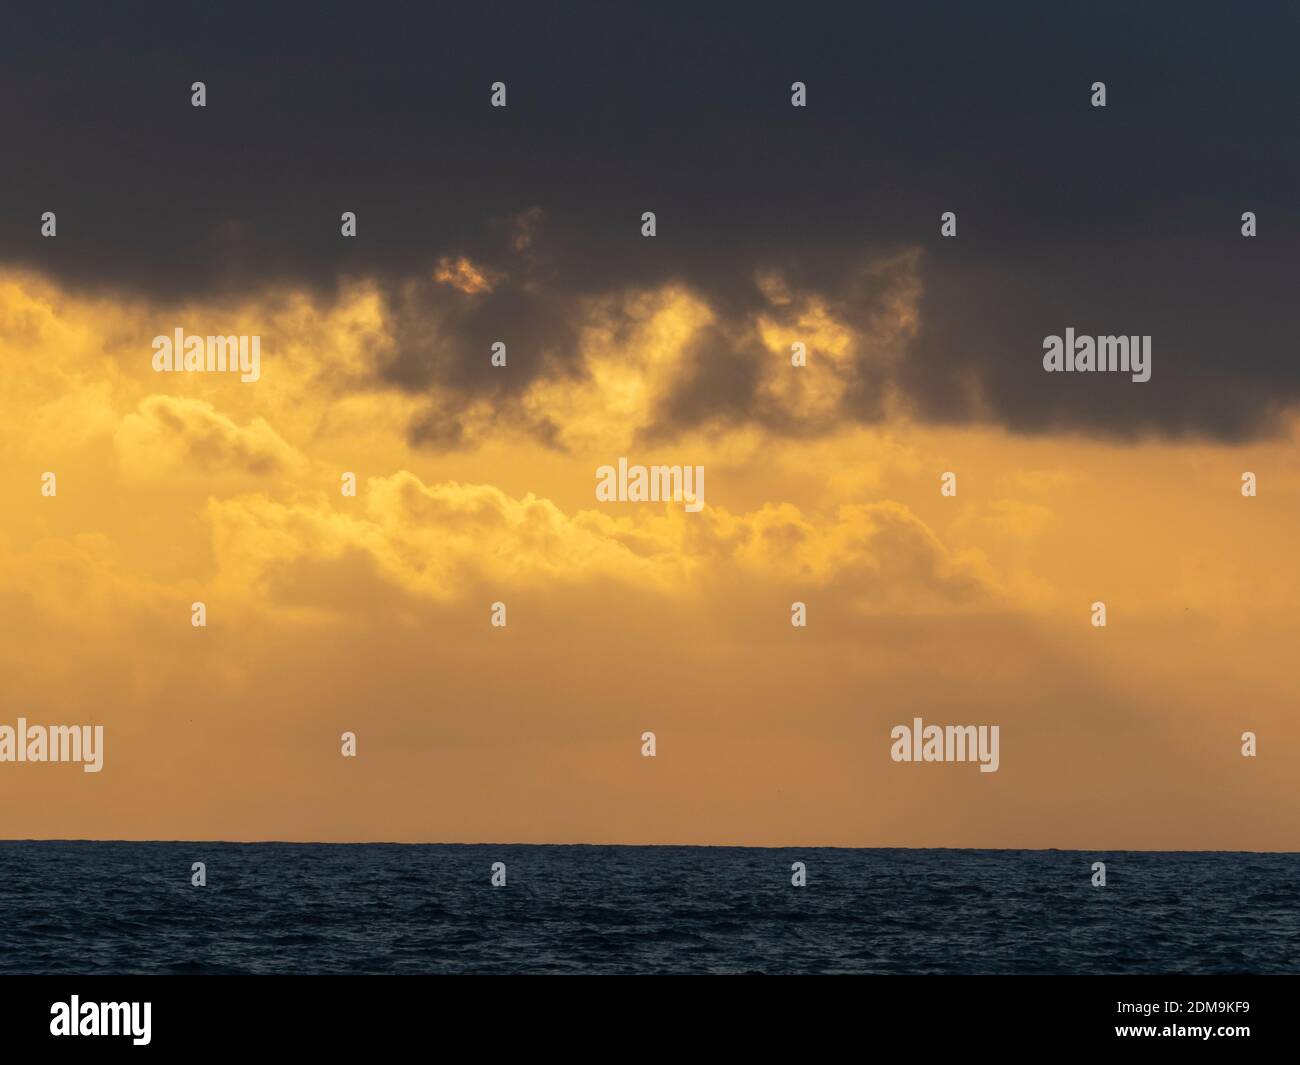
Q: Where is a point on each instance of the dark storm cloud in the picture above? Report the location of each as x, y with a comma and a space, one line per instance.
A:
1117, 220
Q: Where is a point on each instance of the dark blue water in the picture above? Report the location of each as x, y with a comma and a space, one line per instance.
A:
375, 908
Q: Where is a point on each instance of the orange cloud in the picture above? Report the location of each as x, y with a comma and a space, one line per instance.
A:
370, 613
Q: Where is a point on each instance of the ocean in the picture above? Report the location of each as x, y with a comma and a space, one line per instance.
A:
120, 907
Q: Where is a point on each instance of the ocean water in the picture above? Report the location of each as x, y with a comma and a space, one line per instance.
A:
87, 907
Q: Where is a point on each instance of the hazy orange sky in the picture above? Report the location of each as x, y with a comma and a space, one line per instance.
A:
371, 614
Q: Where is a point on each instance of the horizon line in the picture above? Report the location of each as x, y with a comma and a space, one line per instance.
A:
644, 846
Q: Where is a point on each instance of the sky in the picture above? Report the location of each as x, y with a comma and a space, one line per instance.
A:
476, 484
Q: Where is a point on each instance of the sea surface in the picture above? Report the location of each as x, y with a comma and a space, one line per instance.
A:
87, 907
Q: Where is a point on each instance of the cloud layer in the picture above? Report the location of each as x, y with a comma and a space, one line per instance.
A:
479, 224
